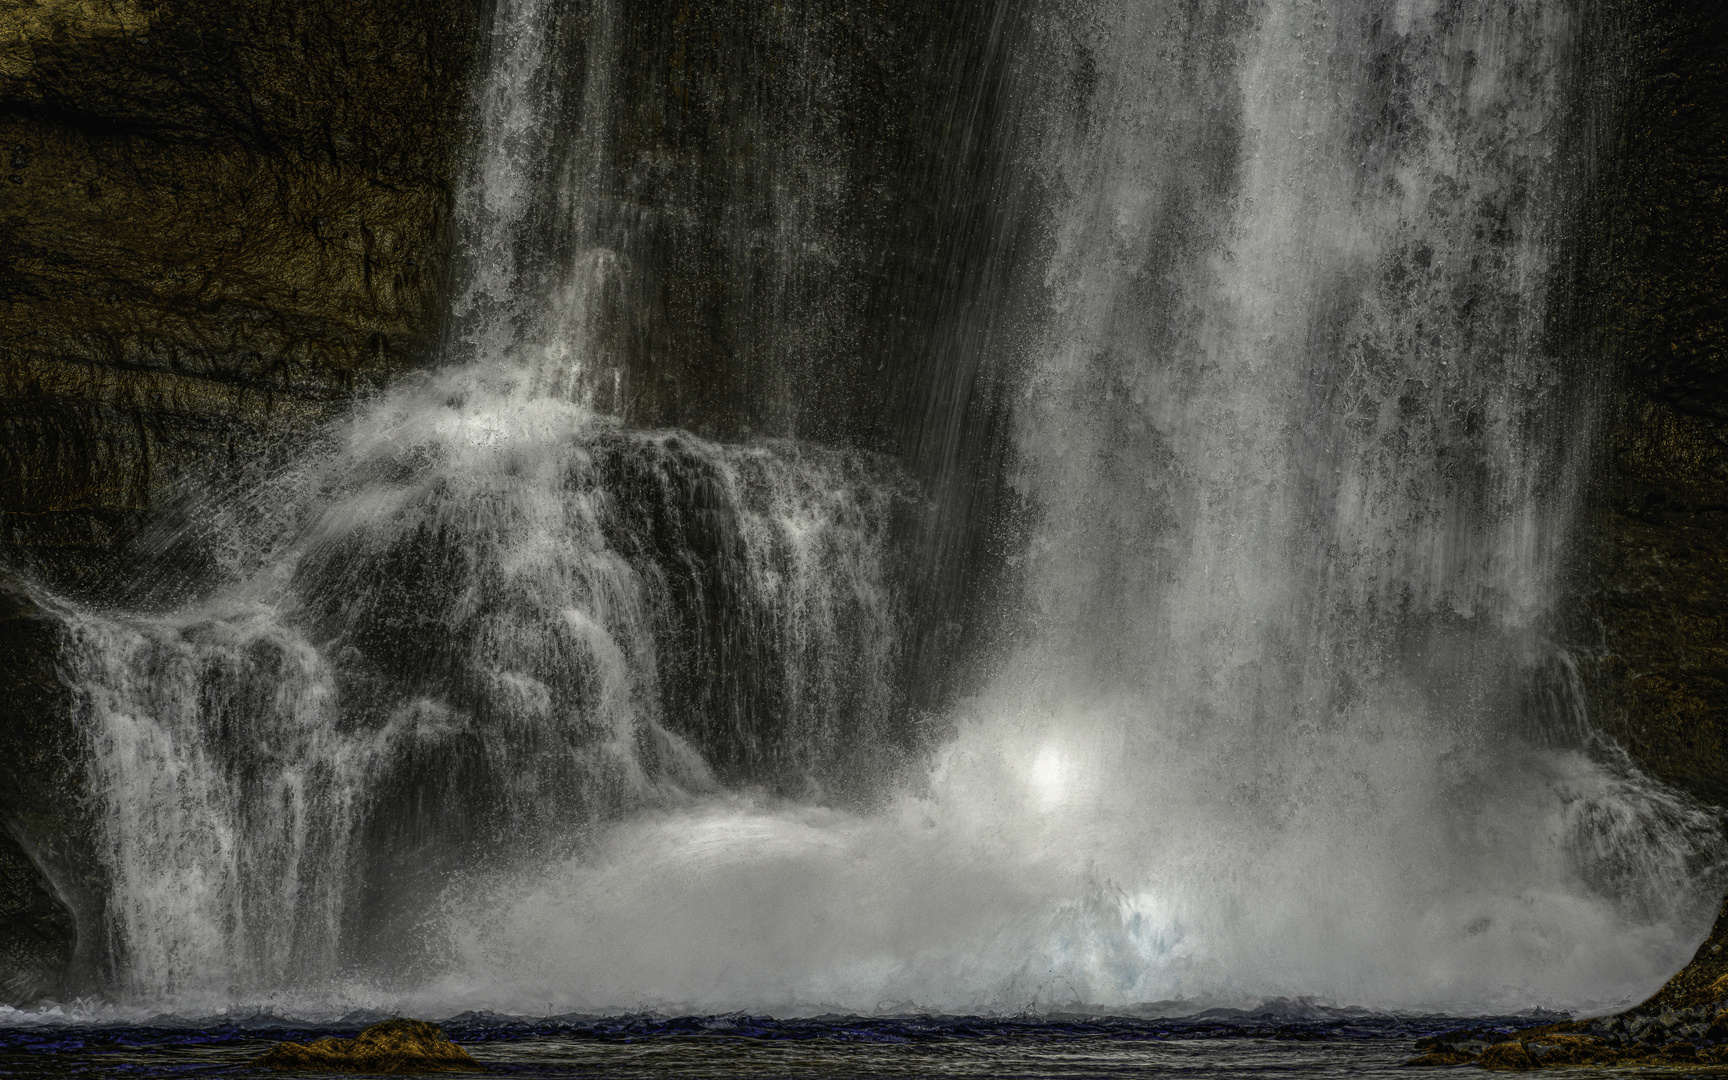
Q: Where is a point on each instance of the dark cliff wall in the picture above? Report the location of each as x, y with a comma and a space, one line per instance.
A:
217, 220
1653, 622
220, 220
46, 821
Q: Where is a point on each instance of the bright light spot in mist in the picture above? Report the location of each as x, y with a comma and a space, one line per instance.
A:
1049, 775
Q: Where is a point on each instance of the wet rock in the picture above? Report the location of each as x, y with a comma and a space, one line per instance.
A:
1443, 1055
1460, 1046
395, 1046
1461, 1040
1652, 599
1565, 1048
224, 219
50, 875
37, 932
1511, 1056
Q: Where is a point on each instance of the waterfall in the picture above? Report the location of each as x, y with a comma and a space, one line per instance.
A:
477, 617
493, 697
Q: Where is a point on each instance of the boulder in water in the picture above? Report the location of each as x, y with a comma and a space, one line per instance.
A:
395, 1046
1511, 1056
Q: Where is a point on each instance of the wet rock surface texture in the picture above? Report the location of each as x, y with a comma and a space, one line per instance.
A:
1651, 597
49, 871
219, 221
395, 1046
37, 934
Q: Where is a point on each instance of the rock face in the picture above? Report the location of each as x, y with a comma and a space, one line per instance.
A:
37, 932
217, 221
1651, 622
51, 882
395, 1046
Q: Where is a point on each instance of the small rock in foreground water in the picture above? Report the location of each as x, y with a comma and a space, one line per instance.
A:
395, 1046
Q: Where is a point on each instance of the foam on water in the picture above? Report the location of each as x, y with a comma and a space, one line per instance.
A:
1065, 856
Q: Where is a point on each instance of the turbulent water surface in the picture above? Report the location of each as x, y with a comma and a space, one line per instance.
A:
490, 698
1342, 1044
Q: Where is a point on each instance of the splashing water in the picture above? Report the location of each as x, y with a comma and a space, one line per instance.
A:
471, 622
498, 703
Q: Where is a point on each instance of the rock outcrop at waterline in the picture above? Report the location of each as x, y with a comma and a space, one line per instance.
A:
395, 1046
1684, 1023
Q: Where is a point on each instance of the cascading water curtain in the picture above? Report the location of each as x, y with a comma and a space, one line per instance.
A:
1302, 459
1307, 458
476, 619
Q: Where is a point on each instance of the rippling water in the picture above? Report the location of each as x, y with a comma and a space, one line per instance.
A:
1219, 1044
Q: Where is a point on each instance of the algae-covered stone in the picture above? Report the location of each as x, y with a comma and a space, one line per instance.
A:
1511, 1056
1443, 1056
395, 1046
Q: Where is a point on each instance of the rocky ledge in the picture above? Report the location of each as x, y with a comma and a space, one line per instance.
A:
1684, 1023
1687, 1037
395, 1046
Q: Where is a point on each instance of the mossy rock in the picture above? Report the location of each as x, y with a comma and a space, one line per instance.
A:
395, 1046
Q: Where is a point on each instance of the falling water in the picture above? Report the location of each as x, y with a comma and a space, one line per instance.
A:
498, 701
477, 618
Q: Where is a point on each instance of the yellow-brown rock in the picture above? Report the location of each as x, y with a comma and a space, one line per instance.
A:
1443, 1057
1511, 1056
25, 21
395, 1046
